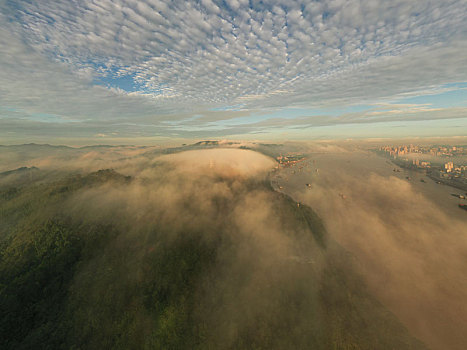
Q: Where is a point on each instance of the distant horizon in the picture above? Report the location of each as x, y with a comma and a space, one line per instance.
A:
450, 140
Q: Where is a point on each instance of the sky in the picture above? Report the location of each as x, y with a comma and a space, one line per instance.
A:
116, 71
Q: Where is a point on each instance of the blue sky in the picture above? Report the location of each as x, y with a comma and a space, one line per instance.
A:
107, 71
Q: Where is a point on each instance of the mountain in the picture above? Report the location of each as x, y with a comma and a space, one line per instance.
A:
176, 261
19, 171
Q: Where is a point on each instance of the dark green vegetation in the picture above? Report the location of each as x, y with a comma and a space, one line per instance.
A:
220, 272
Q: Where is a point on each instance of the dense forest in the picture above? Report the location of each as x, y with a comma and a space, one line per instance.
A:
92, 261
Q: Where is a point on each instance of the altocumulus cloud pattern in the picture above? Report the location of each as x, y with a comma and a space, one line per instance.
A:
178, 66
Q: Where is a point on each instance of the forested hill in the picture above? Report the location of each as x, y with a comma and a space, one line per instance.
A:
105, 261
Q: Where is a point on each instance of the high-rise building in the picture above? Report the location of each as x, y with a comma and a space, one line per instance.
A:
448, 167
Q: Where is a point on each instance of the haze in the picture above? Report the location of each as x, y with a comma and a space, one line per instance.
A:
238, 174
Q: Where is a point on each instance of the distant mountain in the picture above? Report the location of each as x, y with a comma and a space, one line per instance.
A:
206, 143
20, 171
22, 154
36, 146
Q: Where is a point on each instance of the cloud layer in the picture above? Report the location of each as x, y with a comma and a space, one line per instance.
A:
137, 66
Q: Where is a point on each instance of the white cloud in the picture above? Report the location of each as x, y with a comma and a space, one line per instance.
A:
196, 55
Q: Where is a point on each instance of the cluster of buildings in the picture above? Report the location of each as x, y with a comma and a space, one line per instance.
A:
451, 170
421, 164
447, 170
290, 160
448, 167
447, 151
441, 169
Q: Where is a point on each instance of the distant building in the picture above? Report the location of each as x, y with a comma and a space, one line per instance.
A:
448, 167
425, 164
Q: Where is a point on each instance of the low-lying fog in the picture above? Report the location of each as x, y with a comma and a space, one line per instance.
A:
409, 236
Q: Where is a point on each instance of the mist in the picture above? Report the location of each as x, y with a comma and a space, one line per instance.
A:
193, 248
408, 238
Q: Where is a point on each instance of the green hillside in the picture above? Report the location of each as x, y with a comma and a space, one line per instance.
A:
201, 281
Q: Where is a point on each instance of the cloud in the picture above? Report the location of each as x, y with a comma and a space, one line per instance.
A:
223, 162
185, 57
